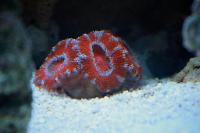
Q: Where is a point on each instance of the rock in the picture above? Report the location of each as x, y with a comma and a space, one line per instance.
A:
16, 67
196, 7
191, 28
190, 73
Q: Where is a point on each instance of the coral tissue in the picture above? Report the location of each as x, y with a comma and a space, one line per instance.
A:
98, 57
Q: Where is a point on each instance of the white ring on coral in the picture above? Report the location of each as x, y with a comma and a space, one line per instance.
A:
55, 59
100, 72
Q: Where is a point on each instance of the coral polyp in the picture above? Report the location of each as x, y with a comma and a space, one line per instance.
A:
59, 68
108, 61
98, 57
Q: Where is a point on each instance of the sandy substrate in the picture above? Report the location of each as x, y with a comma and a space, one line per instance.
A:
166, 107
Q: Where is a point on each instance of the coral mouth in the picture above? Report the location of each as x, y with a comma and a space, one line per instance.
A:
55, 63
101, 59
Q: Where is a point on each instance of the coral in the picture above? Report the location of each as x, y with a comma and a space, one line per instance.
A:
108, 60
60, 68
98, 57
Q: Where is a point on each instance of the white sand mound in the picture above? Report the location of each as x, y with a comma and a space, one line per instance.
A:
160, 107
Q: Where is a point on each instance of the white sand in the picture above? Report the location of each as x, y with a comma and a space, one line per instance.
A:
166, 107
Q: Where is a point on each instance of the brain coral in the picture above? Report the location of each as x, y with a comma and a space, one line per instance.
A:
94, 63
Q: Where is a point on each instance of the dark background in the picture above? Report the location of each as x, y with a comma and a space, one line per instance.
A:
29, 28
158, 21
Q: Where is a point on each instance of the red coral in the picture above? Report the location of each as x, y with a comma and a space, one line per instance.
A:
60, 68
98, 56
108, 61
